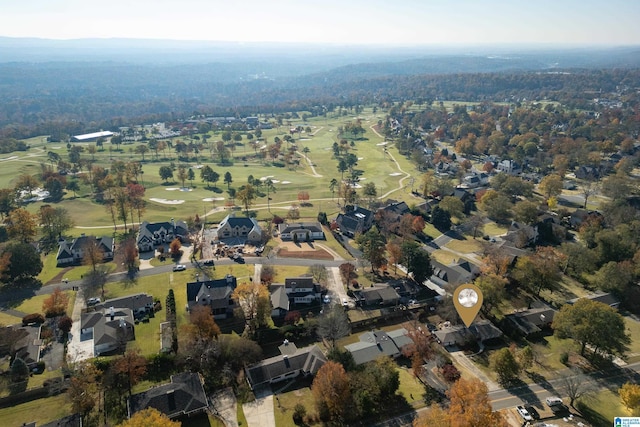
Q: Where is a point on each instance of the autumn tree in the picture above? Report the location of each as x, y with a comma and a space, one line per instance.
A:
372, 246
346, 271
332, 392
149, 417
92, 253
453, 206
551, 186
436, 416
493, 290
54, 222
132, 366
333, 325
630, 397
83, 388
202, 326
394, 252
56, 303
585, 320
22, 225
255, 301
538, 271
95, 280
127, 254
267, 274
246, 194
470, 405
175, 248
496, 205
526, 212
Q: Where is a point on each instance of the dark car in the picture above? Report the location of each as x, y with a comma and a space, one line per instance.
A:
208, 262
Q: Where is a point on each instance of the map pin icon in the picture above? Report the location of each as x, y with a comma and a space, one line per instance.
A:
467, 299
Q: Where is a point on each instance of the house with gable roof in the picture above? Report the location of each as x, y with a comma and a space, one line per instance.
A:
217, 294
303, 231
72, 252
356, 221
182, 398
236, 230
155, 234
374, 344
109, 328
291, 363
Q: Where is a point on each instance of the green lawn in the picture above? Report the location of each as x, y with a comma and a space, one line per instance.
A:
633, 328
465, 246
601, 408
410, 386
242, 420
284, 271
7, 319
34, 304
41, 411
283, 411
493, 229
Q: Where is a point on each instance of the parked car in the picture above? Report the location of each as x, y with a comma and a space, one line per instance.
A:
208, 262
553, 401
93, 301
524, 413
239, 259
179, 267
326, 299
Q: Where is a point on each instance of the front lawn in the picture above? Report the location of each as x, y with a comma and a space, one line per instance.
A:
41, 411
410, 387
285, 403
34, 304
601, 408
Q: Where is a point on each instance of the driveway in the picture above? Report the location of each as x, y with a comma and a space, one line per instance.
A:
259, 413
79, 347
225, 405
335, 285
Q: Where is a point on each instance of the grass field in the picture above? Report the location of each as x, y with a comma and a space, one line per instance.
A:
7, 319
41, 411
376, 165
283, 410
34, 304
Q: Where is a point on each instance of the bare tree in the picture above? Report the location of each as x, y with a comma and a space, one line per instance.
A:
319, 273
576, 385
333, 325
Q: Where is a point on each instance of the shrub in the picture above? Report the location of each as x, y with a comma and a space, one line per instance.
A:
299, 412
64, 324
450, 373
32, 318
564, 358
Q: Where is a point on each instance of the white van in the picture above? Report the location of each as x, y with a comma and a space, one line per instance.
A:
554, 401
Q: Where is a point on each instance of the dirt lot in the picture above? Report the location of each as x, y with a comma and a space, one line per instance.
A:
307, 250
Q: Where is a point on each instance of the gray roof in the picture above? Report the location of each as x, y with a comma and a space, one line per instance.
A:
454, 274
182, 396
217, 289
531, 321
279, 298
380, 293
107, 331
308, 360
374, 344
239, 221
314, 227
132, 302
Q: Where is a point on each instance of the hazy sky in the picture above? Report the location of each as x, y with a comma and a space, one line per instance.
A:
461, 22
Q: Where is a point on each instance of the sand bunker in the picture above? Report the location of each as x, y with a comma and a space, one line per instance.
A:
360, 158
167, 202
383, 143
395, 174
285, 182
10, 158
213, 199
172, 188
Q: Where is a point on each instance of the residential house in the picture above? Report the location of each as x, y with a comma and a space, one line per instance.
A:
139, 304
510, 166
235, 230
379, 294
579, 216
529, 322
303, 231
356, 221
216, 294
155, 234
590, 173
72, 252
109, 328
605, 298
475, 180
375, 344
26, 344
389, 217
454, 274
461, 336
291, 363
182, 398
279, 301
468, 199
521, 235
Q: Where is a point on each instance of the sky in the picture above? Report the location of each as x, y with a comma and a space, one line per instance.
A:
400, 22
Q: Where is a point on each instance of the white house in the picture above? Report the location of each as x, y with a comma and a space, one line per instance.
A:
303, 231
72, 252
239, 230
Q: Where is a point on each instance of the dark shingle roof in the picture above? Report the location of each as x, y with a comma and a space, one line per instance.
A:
184, 395
374, 344
210, 286
309, 360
